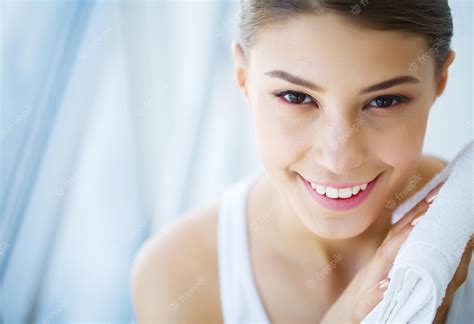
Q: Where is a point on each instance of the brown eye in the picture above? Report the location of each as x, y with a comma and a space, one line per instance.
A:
387, 101
294, 97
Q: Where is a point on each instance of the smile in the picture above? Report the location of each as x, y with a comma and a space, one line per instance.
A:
339, 197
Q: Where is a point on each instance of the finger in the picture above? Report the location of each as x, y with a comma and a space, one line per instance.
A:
423, 204
419, 209
369, 299
416, 211
384, 257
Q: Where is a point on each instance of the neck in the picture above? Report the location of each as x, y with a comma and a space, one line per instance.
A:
293, 236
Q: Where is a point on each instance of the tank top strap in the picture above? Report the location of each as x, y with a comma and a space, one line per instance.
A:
240, 301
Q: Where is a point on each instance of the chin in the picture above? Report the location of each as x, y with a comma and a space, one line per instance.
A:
338, 228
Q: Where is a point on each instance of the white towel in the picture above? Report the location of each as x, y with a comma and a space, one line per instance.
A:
428, 259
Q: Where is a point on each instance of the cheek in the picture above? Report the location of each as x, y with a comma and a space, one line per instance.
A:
282, 137
400, 135
399, 143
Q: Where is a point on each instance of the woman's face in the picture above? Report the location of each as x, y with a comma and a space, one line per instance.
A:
324, 111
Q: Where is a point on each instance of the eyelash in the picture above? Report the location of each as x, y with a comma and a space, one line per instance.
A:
400, 99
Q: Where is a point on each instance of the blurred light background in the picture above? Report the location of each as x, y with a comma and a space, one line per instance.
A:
115, 118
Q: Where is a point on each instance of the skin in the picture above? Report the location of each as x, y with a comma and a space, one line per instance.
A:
310, 140
290, 233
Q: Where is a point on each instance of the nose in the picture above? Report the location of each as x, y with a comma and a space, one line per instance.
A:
340, 145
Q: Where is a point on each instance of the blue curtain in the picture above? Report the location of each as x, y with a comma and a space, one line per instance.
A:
116, 117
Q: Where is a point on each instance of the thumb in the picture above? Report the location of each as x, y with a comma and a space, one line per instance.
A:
369, 299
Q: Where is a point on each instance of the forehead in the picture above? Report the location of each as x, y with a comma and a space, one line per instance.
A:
330, 46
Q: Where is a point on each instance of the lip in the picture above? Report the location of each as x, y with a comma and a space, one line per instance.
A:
341, 204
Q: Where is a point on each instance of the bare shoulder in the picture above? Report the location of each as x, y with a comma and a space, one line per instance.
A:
430, 166
174, 276
427, 168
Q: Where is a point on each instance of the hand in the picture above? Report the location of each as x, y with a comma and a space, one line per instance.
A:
366, 289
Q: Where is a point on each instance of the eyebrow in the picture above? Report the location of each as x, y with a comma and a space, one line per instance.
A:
310, 85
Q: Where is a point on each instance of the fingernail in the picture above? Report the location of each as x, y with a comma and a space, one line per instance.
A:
383, 285
430, 199
415, 220
432, 196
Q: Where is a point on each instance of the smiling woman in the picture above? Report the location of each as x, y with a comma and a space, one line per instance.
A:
340, 100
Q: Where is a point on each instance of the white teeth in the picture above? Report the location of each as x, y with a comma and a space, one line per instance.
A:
345, 193
337, 193
320, 189
332, 192
355, 190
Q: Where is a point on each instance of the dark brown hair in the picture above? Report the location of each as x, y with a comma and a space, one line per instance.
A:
428, 18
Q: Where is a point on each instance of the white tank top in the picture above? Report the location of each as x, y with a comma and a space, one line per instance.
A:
240, 300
